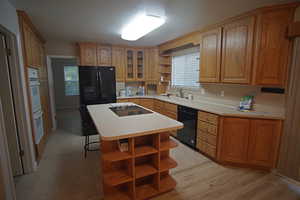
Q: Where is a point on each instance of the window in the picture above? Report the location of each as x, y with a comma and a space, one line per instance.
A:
71, 80
185, 68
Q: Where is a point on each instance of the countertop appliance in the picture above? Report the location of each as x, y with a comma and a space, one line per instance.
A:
128, 110
37, 113
97, 85
187, 135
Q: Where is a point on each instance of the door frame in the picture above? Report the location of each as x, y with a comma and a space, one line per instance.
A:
51, 86
5, 166
21, 100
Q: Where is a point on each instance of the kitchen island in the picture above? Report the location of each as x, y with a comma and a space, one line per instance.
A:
142, 171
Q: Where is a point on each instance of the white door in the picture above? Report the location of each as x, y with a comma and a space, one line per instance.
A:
9, 111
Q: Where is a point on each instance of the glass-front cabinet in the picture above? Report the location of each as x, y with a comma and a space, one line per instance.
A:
140, 65
135, 65
130, 71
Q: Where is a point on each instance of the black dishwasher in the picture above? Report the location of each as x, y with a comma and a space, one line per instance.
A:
187, 135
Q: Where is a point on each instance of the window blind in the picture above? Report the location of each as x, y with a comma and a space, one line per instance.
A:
185, 68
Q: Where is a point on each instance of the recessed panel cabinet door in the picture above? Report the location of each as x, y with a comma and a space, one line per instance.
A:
88, 54
264, 142
118, 61
210, 56
237, 51
272, 51
234, 140
103, 55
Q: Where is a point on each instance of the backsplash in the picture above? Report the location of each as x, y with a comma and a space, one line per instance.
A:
230, 95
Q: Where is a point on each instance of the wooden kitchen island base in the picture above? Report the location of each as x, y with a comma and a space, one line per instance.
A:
140, 173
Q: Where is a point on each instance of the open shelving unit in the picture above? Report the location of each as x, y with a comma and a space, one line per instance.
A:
165, 70
141, 172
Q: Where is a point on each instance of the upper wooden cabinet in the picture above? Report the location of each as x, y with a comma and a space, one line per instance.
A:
255, 48
210, 54
252, 142
135, 65
152, 64
92, 54
272, 52
118, 61
237, 51
104, 55
88, 54
33, 47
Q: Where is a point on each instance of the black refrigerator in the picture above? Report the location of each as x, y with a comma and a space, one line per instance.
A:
97, 85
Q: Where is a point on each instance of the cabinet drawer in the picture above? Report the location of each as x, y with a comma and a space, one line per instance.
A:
172, 115
159, 104
147, 103
207, 127
206, 137
122, 100
208, 117
170, 107
206, 148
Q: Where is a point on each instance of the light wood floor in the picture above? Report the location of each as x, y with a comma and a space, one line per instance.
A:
64, 174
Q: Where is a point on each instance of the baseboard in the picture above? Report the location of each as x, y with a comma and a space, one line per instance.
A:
289, 180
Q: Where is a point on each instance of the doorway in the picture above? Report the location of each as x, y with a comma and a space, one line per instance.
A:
66, 94
9, 111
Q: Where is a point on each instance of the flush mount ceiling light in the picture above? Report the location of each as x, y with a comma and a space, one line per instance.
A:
141, 25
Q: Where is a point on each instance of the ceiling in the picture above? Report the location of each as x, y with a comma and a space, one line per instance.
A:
102, 20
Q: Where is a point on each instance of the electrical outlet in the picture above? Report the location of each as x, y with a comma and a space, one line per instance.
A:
222, 93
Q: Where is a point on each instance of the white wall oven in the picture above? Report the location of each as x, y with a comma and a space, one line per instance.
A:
37, 113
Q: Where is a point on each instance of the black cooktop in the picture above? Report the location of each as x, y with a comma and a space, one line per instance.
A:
128, 110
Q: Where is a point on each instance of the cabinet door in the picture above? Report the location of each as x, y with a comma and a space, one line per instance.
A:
233, 141
210, 56
264, 142
103, 55
28, 44
88, 54
152, 73
272, 53
140, 65
118, 61
237, 51
130, 65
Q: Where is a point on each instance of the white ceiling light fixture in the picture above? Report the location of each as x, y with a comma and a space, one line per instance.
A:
141, 25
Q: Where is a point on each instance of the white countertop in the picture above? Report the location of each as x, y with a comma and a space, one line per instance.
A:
111, 127
219, 109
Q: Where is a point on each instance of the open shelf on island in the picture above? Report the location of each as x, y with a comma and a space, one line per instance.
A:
146, 187
140, 173
120, 192
167, 163
167, 183
166, 142
117, 177
145, 145
116, 156
146, 165
144, 150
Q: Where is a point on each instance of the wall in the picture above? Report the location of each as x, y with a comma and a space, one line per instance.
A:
61, 100
9, 20
289, 157
61, 48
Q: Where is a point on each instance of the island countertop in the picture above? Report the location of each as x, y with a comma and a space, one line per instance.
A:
112, 127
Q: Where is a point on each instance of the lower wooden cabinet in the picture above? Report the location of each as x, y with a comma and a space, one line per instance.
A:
234, 137
252, 142
264, 142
